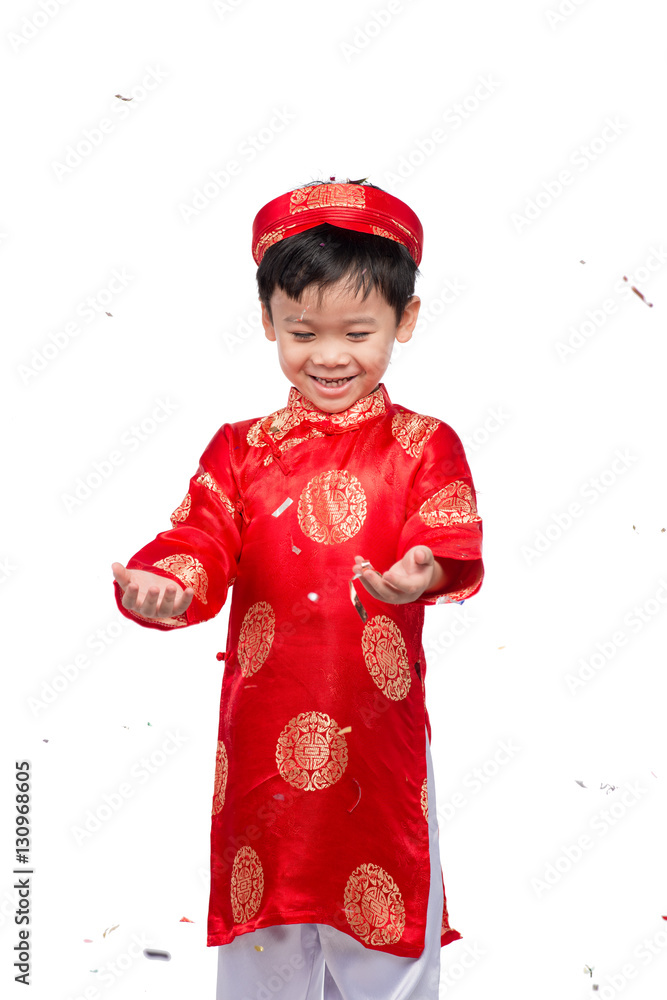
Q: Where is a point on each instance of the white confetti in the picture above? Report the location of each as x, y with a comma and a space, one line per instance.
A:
313, 597
284, 505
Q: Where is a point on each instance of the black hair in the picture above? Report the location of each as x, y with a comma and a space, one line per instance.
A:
363, 259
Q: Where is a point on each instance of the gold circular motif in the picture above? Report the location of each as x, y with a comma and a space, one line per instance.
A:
311, 754
247, 885
424, 798
221, 771
188, 570
374, 905
386, 656
455, 504
182, 511
412, 431
332, 507
256, 637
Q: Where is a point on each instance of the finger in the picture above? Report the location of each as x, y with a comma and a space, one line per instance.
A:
378, 587
166, 608
130, 596
184, 601
148, 607
121, 575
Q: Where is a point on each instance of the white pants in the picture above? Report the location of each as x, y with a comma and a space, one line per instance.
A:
319, 962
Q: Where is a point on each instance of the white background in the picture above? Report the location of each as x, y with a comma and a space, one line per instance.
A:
362, 100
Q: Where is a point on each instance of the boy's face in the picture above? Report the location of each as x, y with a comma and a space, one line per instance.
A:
343, 337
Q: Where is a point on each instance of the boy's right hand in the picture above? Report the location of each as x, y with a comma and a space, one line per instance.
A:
150, 595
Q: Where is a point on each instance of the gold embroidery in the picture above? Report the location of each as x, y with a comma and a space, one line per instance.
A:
247, 885
207, 480
374, 905
368, 406
386, 656
256, 637
327, 196
424, 798
454, 504
311, 752
188, 570
221, 771
267, 240
182, 511
412, 431
176, 622
387, 235
290, 442
332, 507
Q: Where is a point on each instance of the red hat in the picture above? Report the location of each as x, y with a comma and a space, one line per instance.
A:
349, 206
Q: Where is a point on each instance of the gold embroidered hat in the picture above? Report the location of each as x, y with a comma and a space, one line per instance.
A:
349, 206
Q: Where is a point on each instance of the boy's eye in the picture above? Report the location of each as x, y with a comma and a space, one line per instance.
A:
302, 336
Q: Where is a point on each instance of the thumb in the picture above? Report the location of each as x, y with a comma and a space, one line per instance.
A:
121, 575
422, 554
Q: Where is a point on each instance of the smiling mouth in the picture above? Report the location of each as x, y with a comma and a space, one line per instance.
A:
333, 381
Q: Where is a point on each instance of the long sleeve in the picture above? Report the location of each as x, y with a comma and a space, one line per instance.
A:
203, 547
442, 513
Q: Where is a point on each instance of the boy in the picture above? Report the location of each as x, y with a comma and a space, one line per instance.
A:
337, 518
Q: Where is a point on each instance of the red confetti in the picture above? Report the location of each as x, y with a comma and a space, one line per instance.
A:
90, 940
637, 292
184, 920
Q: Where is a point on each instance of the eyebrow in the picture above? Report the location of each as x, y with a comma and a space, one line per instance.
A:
345, 321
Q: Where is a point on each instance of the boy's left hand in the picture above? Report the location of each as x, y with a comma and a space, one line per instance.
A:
403, 582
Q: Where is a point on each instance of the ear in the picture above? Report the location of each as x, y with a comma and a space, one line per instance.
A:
408, 320
269, 331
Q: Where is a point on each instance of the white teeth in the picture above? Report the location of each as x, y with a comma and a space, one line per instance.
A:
332, 382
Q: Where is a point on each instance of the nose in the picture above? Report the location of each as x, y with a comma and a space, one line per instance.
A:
330, 356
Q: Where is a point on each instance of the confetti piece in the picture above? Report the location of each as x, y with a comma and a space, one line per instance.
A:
582, 261
45, 741
124, 98
295, 549
156, 953
110, 314
354, 597
284, 505
258, 947
279, 796
149, 723
581, 783
348, 729
595, 986
90, 940
664, 918
110, 929
589, 969
364, 270
313, 597
184, 920
250, 686
322, 244
501, 647
358, 800
637, 292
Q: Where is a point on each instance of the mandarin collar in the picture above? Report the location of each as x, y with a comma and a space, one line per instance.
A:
372, 405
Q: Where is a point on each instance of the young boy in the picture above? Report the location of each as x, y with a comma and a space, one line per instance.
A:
337, 518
